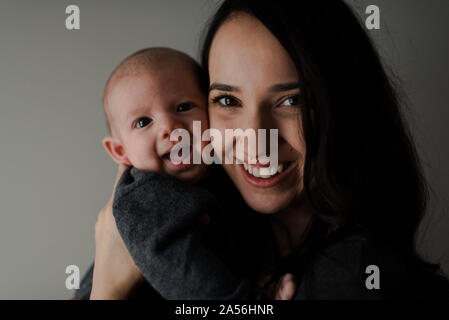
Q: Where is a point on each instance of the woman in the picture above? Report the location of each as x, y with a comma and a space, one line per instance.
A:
352, 193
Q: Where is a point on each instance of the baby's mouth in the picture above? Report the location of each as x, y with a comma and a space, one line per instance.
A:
166, 156
177, 162
181, 154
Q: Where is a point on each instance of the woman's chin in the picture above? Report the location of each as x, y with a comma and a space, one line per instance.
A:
265, 199
268, 203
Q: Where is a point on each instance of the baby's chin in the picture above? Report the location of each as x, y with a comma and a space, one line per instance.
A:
190, 173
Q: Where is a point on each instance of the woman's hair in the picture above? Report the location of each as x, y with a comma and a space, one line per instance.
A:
360, 156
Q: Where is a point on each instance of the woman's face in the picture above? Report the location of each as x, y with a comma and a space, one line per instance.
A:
254, 84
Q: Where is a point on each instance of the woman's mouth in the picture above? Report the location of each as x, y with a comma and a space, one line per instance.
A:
265, 177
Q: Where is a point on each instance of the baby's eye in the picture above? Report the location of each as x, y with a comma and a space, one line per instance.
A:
143, 122
183, 107
226, 101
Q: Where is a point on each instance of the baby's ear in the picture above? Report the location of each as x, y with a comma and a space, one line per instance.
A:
116, 150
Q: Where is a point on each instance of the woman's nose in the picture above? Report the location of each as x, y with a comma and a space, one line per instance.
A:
261, 122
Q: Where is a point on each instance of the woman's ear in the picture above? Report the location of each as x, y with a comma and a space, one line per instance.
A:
116, 150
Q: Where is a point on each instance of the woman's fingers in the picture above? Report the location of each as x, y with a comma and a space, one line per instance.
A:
107, 209
115, 273
285, 288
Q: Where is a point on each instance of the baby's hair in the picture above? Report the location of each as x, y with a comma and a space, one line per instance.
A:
147, 60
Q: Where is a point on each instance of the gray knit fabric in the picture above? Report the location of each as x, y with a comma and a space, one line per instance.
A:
160, 214
158, 219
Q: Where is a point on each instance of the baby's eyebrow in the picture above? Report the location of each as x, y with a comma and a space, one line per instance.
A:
131, 117
136, 112
131, 114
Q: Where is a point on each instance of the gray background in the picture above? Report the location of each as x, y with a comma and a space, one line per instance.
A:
55, 175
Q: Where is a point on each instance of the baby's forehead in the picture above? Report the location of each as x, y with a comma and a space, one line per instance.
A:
148, 79
162, 73
163, 70
137, 93
164, 82
158, 66
129, 93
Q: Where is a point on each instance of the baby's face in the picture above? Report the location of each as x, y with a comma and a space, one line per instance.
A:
146, 108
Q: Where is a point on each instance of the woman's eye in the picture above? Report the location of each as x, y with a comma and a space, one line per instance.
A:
183, 107
143, 122
226, 101
291, 101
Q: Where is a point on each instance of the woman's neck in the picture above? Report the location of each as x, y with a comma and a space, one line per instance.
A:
289, 225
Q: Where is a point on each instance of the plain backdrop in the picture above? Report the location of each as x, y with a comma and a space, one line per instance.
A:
55, 175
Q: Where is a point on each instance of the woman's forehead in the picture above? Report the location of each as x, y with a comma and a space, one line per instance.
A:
245, 50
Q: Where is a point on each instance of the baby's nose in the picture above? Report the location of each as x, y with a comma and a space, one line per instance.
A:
166, 126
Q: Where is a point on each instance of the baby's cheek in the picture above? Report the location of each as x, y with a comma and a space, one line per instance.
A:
145, 158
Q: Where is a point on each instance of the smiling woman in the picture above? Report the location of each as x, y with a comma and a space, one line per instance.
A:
352, 193
255, 85
340, 212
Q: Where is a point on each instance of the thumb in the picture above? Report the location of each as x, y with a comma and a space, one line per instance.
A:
286, 287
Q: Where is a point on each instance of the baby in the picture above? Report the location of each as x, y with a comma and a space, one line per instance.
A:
150, 94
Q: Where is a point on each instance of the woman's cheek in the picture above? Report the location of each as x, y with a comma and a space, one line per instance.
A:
291, 131
217, 141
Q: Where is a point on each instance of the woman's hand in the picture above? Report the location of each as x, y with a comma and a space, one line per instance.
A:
115, 273
285, 288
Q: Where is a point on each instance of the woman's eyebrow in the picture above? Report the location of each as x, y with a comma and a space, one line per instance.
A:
284, 86
223, 87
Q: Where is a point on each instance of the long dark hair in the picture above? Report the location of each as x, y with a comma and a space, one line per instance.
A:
360, 153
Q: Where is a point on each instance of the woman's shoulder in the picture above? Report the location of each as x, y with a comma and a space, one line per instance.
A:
355, 266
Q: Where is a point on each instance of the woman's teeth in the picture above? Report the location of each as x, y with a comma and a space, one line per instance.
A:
263, 172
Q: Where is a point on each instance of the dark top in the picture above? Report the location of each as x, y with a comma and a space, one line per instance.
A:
157, 217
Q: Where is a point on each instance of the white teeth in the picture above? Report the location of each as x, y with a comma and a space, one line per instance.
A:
264, 172
281, 168
256, 172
